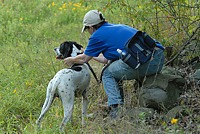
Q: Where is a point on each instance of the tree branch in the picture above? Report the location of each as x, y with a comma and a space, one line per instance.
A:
191, 38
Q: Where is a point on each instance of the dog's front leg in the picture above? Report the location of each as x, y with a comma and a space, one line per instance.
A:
84, 107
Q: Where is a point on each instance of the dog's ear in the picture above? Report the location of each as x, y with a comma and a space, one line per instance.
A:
78, 45
62, 48
66, 49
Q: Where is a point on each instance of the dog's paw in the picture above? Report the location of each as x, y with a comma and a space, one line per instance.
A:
61, 129
38, 124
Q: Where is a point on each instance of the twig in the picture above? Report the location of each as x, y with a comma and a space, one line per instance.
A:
185, 44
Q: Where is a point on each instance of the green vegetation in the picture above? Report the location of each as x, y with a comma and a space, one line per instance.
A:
31, 29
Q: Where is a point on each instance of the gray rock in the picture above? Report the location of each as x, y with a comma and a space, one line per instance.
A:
161, 91
171, 71
172, 113
196, 75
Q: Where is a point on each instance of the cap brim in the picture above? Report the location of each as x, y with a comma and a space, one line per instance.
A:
83, 29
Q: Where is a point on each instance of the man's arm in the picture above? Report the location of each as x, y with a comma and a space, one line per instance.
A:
101, 59
79, 59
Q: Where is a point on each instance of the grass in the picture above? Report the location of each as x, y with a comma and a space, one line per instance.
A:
29, 32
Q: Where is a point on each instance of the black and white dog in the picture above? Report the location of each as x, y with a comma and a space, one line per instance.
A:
68, 84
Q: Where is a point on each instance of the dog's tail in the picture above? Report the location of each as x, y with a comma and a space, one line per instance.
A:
53, 84
51, 89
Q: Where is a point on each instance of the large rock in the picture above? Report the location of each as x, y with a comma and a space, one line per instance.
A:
161, 91
172, 113
195, 77
172, 71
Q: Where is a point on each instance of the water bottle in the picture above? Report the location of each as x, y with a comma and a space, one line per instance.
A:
121, 52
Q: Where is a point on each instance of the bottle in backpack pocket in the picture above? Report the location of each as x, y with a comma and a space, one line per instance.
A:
122, 53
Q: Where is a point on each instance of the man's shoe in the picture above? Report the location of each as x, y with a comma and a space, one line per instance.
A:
116, 111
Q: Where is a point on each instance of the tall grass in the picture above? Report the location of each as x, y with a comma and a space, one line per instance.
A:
29, 32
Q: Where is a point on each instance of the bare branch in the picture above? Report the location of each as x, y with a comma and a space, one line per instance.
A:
191, 38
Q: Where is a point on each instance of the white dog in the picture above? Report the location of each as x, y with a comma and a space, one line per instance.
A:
68, 84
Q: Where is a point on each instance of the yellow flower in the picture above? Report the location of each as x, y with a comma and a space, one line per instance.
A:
77, 4
14, 91
20, 19
70, 3
64, 5
174, 121
29, 83
60, 8
53, 4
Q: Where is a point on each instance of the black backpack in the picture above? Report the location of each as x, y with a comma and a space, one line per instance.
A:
139, 49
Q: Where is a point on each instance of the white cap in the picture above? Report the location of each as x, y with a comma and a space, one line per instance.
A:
91, 18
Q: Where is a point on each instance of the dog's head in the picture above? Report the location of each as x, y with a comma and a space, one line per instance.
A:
67, 49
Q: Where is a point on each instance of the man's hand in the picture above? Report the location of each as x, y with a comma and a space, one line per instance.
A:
79, 59
68, 61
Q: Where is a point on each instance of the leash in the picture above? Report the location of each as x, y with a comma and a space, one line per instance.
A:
74, 67
98, 81
104, 68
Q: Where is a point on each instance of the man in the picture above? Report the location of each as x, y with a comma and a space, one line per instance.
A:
103, 43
